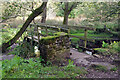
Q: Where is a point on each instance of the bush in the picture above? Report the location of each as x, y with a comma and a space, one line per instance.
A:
24, 50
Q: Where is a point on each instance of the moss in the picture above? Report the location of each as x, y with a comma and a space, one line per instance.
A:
60, 33
48, 39
52, 39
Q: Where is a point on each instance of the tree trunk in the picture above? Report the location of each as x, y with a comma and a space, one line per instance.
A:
35, 13
44, 15
65, 21
68, 11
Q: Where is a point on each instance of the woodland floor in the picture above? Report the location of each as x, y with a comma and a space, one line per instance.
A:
85, 60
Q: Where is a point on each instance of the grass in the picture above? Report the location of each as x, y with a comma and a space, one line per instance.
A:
0, 38
32, 68
74, 40
0, 69
99, 67
101, 35
114, 69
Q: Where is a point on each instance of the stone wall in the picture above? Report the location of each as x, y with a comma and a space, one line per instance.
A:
55, 48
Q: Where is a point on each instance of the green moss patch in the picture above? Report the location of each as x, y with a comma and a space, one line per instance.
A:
51, 39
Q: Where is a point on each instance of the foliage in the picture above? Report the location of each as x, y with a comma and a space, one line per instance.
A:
110, 49
61, 7
101, 11
115, 45
105, 45
32, 68
70, 65
13, 9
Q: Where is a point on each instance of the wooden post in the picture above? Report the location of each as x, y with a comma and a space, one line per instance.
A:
31, 34
38, 34
46, 31
68, 30
85, 36
59, 29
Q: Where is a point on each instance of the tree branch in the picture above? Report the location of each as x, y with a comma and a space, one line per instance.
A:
72, 7
62, 7
9, 18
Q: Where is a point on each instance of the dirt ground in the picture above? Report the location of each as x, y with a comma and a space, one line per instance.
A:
85, 60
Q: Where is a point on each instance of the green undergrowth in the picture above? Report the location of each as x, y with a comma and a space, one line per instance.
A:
32, 68
109, 49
